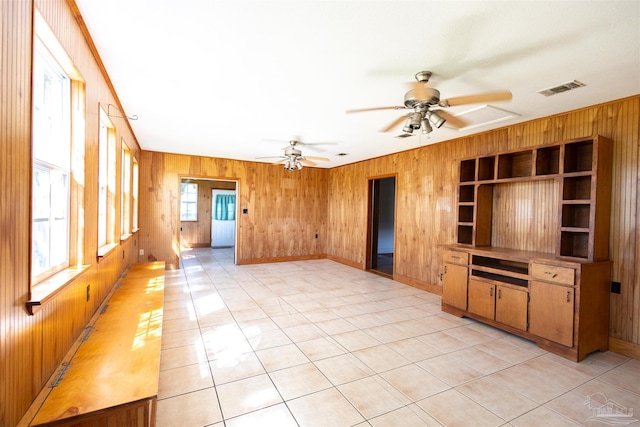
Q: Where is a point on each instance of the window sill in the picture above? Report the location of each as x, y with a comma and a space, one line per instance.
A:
125, 237
103, 251
48, 288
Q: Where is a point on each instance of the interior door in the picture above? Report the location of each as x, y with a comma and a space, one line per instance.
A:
223, 223
382, 201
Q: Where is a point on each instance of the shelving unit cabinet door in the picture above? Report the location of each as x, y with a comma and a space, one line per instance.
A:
454, 285
551, 310
511, 307
482, 299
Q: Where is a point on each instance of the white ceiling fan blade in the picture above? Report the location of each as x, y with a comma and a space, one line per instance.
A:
271, 157
393, 124
362, 110
318, 159
307, 162
451, 120
503, 95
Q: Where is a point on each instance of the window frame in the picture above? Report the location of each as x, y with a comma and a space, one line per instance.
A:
44, 159
126, 228
183, 203
135, 194
43, 285
107, 176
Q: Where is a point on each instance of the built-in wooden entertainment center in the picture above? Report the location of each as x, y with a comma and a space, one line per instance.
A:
558, 293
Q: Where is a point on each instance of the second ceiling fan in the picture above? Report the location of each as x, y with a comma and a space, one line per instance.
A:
427, 107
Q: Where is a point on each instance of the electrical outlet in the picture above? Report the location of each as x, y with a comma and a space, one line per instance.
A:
141, 252
615, 287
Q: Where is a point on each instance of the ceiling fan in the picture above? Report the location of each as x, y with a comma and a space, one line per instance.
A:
427, 107
293, 158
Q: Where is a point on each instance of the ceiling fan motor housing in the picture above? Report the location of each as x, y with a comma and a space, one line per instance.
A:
292, 152
431, 97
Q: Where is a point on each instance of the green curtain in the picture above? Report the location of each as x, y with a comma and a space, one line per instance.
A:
225, 207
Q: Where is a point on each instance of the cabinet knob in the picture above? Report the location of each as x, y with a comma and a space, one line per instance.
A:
568, 296
499, 293
490, 292
551, 273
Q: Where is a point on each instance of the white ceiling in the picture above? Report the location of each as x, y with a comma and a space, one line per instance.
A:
238, 79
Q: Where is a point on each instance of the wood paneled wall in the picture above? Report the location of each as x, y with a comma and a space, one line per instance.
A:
285, 209
426, 195
31, 347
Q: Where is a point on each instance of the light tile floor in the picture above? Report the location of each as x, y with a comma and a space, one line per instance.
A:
318, 343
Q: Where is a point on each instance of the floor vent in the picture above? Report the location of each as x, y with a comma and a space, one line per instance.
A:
561, 88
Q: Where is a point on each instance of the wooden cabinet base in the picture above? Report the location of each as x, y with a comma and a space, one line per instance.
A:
575, 354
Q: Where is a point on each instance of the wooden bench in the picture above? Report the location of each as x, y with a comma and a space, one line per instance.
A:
112, 376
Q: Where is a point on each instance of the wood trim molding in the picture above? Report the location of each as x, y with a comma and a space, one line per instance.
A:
434, 289
345, 262
280, 259
625, 348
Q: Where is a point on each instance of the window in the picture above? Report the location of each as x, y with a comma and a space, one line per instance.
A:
188, 201
51, 164
106, 183
134, 207
125, 206
58, 134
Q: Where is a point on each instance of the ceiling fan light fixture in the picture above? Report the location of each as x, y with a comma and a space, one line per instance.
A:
415, 120
407, 126
426, 127
435, 119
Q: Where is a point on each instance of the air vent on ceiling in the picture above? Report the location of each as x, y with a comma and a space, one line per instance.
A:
561, 88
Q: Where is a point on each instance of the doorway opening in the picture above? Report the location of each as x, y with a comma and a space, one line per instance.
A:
208, 213
381, 225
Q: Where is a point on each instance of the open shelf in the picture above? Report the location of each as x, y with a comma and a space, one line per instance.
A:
465, 234
574, 244
466, 193
529, 198
576, 215
465, 213
468, 170
500, 278
578, 156
486, 168
515, 165
577, 188
548, 161
501, 264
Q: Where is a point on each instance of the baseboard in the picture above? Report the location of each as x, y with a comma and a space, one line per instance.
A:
625, 348
280, 259
418, 284
345, 262
196, 245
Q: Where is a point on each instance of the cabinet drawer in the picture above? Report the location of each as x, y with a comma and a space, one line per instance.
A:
553, 273
456, 257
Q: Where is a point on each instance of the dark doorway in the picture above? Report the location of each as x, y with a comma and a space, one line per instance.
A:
382, 202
